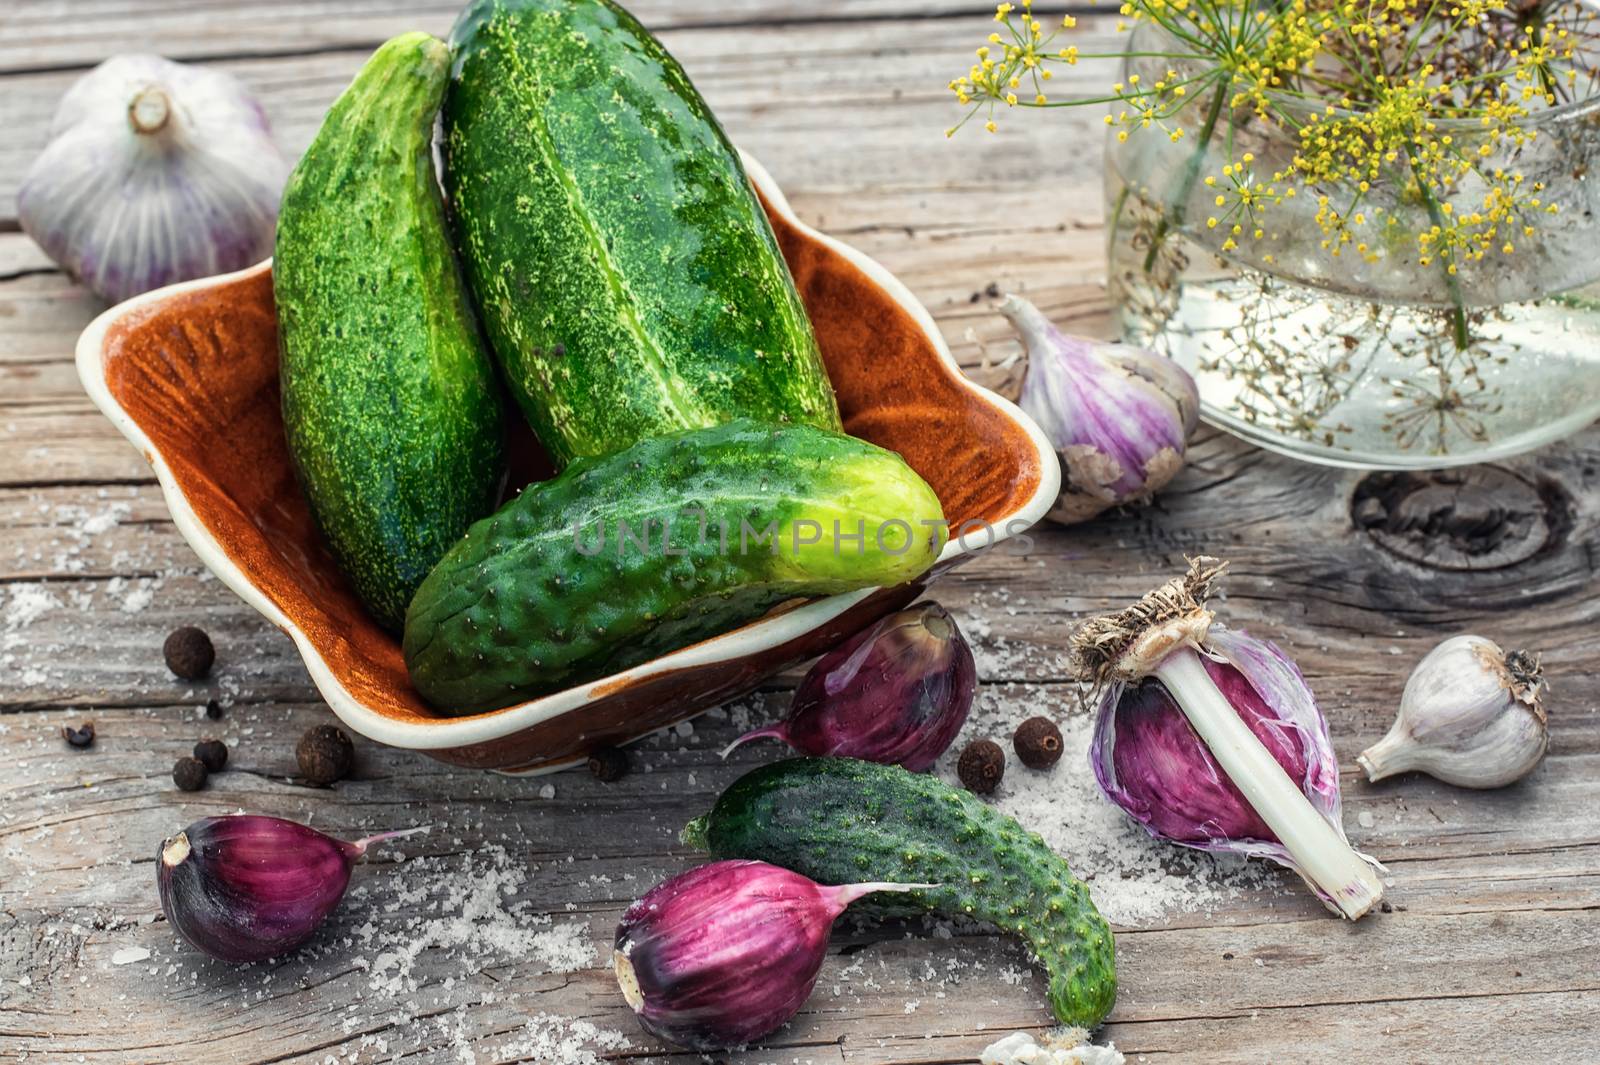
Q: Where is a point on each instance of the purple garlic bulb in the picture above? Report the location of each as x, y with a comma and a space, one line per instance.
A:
1118, 416
1149, 760
247, 887
896, 693
727, 953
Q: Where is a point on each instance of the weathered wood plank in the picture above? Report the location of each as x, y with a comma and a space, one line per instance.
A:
82, 882
1487, 955
70, 33
852, 104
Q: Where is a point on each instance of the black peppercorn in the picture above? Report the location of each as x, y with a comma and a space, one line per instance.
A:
82, 736
1038, 743
214, 753
608, 764
982, 765
189, 774
325, 754
213, 710
189, 653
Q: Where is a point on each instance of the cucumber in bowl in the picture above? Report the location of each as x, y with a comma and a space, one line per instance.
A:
626, 274
678, 538
390, 404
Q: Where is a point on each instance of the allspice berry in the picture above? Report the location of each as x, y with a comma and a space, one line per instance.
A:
189, 774
608, 764
189, 653
212, 753
1038, 743
981, 766
325, 754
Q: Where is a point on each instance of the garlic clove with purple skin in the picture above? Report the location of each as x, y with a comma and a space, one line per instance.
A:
1149, 760
1227, 751
156, 172
247, 887
1119, 417
727, 953
896, 693
1471, 715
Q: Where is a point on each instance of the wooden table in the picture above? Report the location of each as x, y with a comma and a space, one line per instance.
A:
1491, 952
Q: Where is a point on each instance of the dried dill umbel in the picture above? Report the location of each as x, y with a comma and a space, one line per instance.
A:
1421, 98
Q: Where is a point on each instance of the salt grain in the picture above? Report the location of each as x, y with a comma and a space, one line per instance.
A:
478, 918
552, 1040
1135, 880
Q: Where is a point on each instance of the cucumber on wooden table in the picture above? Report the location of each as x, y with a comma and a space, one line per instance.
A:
624, 558
390, 402
627, 276
843, 821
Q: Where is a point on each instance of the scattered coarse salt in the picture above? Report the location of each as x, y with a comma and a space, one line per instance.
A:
553, 1040
129, 955
1135, 880
28, 602
466, 908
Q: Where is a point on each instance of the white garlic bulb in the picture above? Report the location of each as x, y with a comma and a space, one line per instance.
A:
155, 172
1471, 715
1119, 417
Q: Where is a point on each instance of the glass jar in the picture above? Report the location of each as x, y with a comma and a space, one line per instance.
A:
1375, 359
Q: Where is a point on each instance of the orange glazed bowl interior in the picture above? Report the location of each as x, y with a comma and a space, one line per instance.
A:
190, 375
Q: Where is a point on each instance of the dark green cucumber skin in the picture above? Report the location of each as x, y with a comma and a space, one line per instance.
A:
390, 402
841, 821
516, 609
626, 274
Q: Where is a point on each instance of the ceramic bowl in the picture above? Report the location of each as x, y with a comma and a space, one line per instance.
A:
189, 374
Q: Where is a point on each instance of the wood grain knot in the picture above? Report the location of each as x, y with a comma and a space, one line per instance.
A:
1477, 518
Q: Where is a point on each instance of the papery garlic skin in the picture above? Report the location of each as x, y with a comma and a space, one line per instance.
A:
727, 953
896, 693
1148, 760
247, 887
1471, 715
155, 173
1119, 417
1068, 1047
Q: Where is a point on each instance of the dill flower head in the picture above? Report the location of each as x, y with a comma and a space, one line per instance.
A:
1382, 104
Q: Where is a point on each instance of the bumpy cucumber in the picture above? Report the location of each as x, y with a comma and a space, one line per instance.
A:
627, 276
626, 557
390, 403
840, 821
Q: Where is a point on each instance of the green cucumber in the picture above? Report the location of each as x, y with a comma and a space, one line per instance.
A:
627, 276
390, 403
624, 558
842, 821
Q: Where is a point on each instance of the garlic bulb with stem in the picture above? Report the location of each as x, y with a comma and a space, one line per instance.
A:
1229, 688
247, 887
1471, 715
1119, 417
727, 953
156, 172
896, 693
